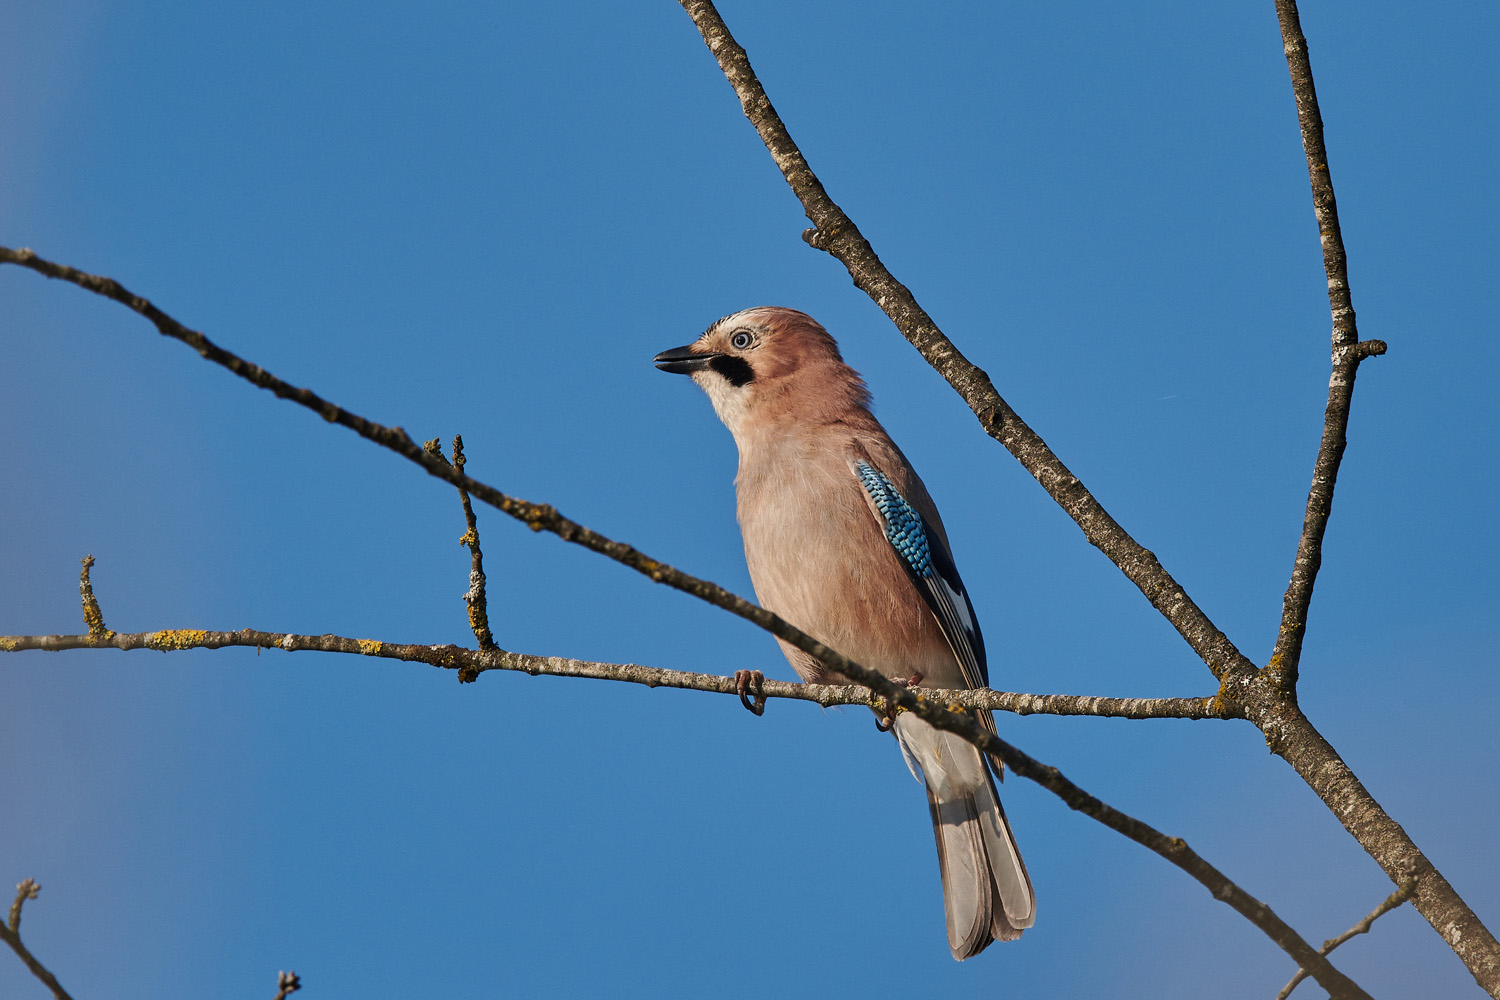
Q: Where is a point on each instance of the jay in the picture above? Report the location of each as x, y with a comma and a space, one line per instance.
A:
843, 542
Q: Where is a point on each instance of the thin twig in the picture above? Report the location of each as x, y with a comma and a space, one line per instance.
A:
26, 889
479, 661
11, 933
1395, 899
1348, 352
474, 597
1310, 119
92, 616
287, 983
544, 517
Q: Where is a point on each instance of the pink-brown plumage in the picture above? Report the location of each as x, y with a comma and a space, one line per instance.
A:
820, 555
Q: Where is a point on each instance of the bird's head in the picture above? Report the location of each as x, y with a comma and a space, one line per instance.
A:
768, 368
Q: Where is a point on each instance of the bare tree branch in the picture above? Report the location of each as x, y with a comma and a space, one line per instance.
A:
479, 618
1348, 352
1288, 732
476, 662
287, 983
11, 933
92, 616
1392, 901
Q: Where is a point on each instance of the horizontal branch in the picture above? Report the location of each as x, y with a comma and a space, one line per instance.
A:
943, 708
471, 662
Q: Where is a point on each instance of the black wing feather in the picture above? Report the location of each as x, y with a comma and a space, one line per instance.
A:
930, 567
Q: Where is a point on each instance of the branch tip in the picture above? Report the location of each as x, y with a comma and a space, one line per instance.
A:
10, 933
474, 597
26, 889
93, 618
1404, 891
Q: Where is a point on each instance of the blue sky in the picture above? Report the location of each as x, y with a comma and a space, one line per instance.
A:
486, 218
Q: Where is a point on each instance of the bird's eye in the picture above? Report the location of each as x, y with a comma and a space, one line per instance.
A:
741, 340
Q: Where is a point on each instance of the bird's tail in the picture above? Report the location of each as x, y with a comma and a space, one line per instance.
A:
987, 893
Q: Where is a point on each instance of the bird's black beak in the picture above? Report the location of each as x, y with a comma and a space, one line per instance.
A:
683, 360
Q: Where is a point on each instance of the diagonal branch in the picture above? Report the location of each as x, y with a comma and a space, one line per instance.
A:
1348, 352
836, 233
1395, 899
10, 933
538, 517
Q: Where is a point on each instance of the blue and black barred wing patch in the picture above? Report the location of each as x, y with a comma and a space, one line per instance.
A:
931, 568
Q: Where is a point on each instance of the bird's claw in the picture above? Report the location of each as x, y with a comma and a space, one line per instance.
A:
886, 721
746, 683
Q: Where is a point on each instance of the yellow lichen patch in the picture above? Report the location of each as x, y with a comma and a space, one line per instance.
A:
177, 638
479, 624
95, 621
7, 644
370, 647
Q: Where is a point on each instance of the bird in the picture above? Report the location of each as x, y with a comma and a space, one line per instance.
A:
843, 541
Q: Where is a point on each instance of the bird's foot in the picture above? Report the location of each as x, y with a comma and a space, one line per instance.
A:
747, 683
886, 721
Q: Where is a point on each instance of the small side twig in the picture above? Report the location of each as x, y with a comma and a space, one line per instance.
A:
92, 616
1395, 899
11, 933
479, 619
27, 889
287, 983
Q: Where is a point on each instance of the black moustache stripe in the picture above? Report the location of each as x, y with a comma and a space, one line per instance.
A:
736, 371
